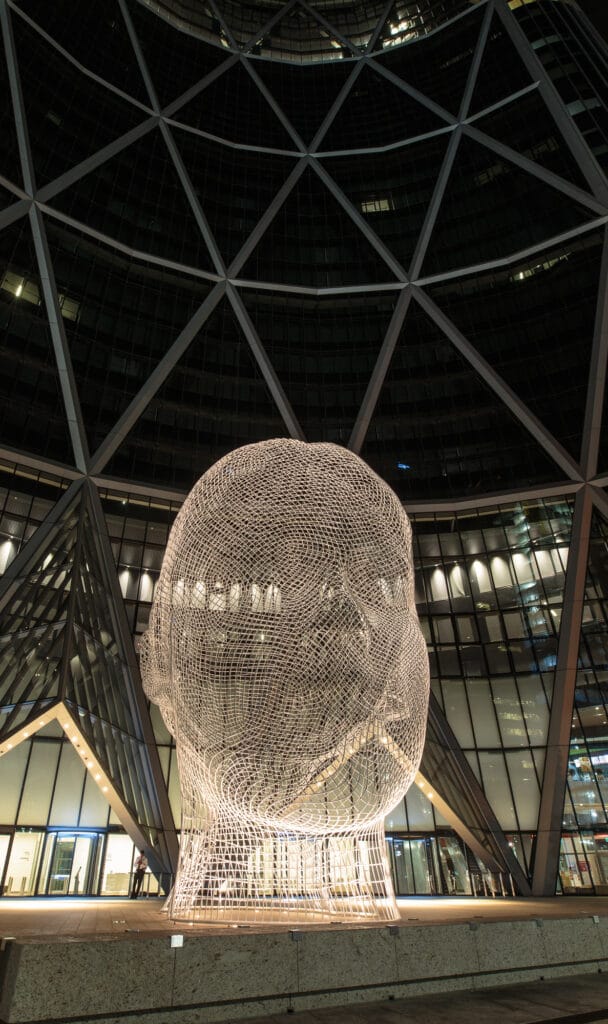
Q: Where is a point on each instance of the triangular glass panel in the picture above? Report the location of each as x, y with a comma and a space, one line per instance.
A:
439, 431
588, 756
492, 209
501, 72
11, 164
120, 315
176, 59
535, 321
392, 190
438, 65
33, 624
70, 116
234, 186
213, 401
289, 83
527, 127
377, 112
97, 38
31, 405
312, 241
233, 108
323, 351
137, 198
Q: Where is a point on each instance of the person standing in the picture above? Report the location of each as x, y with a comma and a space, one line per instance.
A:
141, 863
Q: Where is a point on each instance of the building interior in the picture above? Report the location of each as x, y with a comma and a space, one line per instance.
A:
378, 224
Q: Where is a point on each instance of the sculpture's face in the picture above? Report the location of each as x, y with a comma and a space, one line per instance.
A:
284, 649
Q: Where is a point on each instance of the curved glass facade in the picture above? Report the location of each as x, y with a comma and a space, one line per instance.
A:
383, 228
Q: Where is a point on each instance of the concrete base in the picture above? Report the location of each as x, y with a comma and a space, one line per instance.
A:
245, 974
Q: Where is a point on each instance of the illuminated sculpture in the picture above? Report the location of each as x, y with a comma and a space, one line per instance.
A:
286, 656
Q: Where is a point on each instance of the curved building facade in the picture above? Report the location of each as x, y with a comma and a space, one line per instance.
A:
377, 224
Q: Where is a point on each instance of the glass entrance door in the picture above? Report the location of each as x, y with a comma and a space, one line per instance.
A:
69, 864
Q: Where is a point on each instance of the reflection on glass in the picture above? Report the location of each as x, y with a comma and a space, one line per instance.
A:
23, 864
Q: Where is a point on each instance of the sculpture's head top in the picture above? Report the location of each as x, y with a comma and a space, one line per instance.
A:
284, 647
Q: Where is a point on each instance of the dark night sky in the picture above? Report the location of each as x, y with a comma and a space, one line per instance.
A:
597, 11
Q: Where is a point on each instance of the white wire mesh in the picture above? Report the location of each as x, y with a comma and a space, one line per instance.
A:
286, 656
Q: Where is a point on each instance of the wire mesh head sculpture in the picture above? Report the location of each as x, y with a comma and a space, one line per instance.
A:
286, 656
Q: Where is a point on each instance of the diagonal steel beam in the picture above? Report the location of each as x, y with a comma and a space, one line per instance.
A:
373, 39
143, 67
268, 26
424, 101
331, 29
476, 62
155, 381
579, 148
199, 86
95, 160
537, 170
515, 405
546, 851
434, 206
360, 221
278, 111
218, 14
335, 107
379, 372
16, 96
14, 212
153, 769
67, 380
266, 367
597, 374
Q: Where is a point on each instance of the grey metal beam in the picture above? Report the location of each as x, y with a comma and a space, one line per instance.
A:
434, 206
546, 851
14, 212
536, 170
72, 60
601, 480
360, 221
143, 67
268, 216
272, 103
268, 25
195, 206
156, 777
379, 372
266, 367
471, 788
476, 62
156, 379
331, 29
545, 492
25, 561
198, 87
67, 380
223, 23
527, 419
581, 152
95, 160
441, 113
337, 103
600, 500
373, 39
597, 374
23, 142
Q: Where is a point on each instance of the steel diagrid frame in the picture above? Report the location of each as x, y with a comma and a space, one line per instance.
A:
318, 17
335, 107
439, 111
95, 160
549, 832
287, 125
487, 373
195, 206
383, 251
265, 29
223, 23
579, 148
480, 47
600, 500
155, 381
81, 67
149, 84
199, 86
536, 170
23, 142
267, 217
597, 374
137, 699
379, 372
373, 39
264, 364
14, 212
